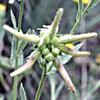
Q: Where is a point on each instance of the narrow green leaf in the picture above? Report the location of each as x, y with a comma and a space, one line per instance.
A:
2, 32
65, 57
13, 19
21, 46
13, 45
20, 59
13, 52
22, 92
80, 10
51, 68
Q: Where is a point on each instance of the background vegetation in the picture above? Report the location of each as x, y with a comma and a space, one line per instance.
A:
84, 71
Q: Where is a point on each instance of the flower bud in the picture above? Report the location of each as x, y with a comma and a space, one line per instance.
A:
47, 39
55, 40
41, 44
49, 57
45, 51
55, 51
43, 47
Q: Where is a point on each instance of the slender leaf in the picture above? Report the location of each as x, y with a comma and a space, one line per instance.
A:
13, 45
13, 19
20, 59
51, 68
13, 52
22, 93
21, 46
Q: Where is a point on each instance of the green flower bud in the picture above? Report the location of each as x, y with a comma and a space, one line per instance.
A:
55, 40
47, 39
55, 51
49, 57
45, 51
43, 47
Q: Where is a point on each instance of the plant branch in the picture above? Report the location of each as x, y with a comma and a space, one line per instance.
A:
78, 21
43, 78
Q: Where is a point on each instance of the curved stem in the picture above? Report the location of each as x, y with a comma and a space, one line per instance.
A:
78, 21
43, 78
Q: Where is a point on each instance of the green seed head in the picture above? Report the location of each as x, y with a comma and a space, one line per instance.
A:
55, 51
55, 40
47, 38
45, 51
43, 47
49, 57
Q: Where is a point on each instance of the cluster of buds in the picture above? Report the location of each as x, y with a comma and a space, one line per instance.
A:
49, 45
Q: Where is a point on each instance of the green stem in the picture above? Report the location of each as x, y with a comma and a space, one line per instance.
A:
16, 65
74, 27
20, 19
86, 9
78, 21
20, 15
43, 78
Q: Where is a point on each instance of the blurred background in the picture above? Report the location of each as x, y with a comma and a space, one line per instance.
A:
84, 71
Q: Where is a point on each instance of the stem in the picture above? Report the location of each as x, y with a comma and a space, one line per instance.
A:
43, 78
74, 27
16, 65
20, 15
78, 21
86, 9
